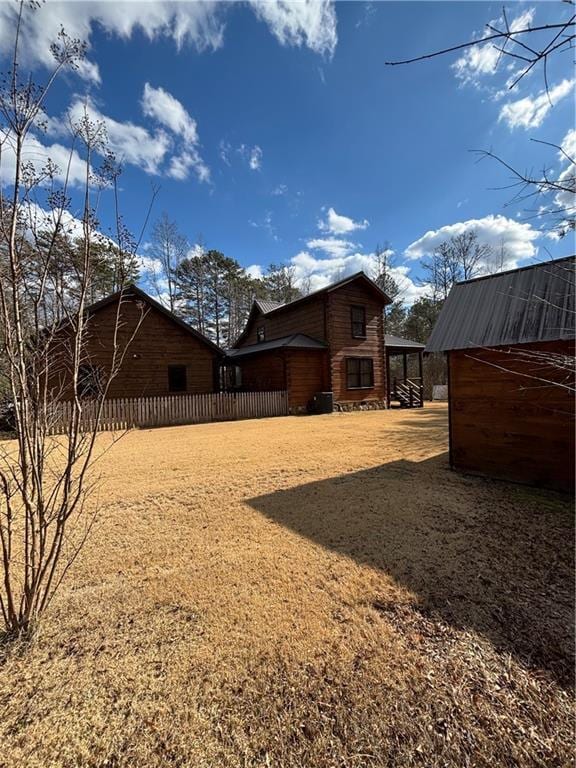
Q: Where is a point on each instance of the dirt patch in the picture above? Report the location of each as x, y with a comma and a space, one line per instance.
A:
315, 591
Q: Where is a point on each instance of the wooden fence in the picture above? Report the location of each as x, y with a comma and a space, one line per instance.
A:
125, 413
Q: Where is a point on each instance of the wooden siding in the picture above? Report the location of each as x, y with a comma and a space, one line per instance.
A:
343, 345
307, 318
158, 343
263, 372
301, 372
506, 425
307, 374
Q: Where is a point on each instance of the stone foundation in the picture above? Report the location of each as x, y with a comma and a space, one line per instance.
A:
361, 405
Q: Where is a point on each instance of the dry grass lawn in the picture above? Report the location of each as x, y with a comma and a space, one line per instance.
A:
303, 592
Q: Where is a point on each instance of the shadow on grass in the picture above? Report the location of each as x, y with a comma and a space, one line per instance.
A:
481, 555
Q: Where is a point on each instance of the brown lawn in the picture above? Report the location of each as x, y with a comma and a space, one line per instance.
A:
312, 592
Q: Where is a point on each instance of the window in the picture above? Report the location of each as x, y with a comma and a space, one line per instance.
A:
358, 317
177, 378
89, 381
260, 334
359, 372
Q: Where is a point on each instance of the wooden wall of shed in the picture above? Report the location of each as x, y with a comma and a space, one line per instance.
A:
343, 344
307, 318
158, 343
507, 425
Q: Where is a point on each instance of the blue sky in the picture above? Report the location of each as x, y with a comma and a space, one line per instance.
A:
276, 133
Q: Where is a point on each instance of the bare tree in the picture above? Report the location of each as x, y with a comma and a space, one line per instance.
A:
516, 43
551, 191
45, 481
462, 257
530, 47
169, 247
280, 283
394, 313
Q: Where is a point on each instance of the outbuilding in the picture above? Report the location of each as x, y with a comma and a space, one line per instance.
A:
510, 343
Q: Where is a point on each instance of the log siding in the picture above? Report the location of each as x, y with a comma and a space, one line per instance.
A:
158, 343
327, 317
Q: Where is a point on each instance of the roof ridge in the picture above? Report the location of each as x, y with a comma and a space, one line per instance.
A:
548, 262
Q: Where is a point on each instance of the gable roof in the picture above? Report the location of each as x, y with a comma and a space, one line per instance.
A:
529, 304
294, 341
257, 306
132, 291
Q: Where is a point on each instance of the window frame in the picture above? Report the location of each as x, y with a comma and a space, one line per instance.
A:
181, 368
354, 322
360, 373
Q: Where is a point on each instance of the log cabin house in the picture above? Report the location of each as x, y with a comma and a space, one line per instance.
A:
510, 342
163, 355
330, 341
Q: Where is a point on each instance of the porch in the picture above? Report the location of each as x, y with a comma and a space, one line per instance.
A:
405, 382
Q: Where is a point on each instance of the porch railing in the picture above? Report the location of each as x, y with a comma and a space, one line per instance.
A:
408, 392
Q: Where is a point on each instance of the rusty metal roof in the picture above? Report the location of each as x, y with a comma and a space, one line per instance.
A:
529, 304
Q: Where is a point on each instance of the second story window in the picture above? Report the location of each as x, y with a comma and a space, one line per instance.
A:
358, 318
260, 334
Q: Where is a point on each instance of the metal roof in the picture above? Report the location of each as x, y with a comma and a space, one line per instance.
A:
267, 306
529, 304
295, 341
396, 341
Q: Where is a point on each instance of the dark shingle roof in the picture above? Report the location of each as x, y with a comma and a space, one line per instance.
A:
295, 341
396, 341
524, 305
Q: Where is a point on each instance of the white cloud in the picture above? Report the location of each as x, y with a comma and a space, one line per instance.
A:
265, 223
225, 150
197, 24
255, 271
569, 146
170, 150
565, 199
252, 156
70, 167
338, 224
181, 164
310, 23
317, 273
131, 143
169, 112
38, 219
161, 106
255, 161
517, 239
279, 190
531, 111
332, 246
481, 61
